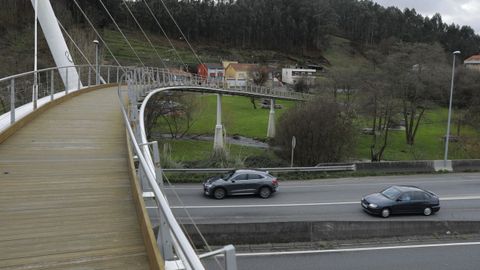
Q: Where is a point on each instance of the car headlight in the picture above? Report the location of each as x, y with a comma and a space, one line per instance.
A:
372, 205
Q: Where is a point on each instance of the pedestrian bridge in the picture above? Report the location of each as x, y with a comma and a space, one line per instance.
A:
70, 194
66, 197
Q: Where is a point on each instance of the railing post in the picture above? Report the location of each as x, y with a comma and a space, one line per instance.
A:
89, 75
230, 258
79, 78
52, 82
66, 79
35, 90
118, 73
12, 101
108, 74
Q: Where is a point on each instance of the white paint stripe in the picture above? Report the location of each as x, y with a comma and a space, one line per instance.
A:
356, 249
460, 198
359, 183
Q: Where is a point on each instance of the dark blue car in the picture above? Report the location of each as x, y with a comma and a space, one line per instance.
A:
401, 200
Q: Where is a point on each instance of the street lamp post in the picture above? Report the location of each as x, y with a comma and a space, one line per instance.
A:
447, 137
97, 71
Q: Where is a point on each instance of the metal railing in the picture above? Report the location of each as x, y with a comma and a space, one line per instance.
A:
332, 168
20, 94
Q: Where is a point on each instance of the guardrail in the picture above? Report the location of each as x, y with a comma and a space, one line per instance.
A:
333, 168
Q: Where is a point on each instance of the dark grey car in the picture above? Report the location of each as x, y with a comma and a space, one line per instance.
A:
241, 182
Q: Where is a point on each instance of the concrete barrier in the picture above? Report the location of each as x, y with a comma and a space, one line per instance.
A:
313, 231
466, 165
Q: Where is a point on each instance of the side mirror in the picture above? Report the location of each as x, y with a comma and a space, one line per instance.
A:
399, 199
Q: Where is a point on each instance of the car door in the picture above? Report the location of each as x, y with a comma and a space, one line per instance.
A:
254, 182
238, 184
419, 201
404, 203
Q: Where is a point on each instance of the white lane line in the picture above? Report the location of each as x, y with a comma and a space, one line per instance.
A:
460, 198
320, 185
356, 249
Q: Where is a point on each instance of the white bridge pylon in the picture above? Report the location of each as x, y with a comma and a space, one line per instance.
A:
56, 42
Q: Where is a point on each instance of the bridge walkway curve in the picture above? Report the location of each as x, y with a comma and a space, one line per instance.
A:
65, 193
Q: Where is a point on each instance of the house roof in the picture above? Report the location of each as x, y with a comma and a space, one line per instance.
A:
473, 58
244, 67
214, 65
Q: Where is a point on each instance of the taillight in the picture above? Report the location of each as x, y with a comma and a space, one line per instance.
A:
274, 181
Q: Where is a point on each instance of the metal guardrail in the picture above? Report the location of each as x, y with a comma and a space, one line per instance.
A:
333, 168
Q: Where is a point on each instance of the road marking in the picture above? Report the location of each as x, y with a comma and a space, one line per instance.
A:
459, 198
356, 249
320, 185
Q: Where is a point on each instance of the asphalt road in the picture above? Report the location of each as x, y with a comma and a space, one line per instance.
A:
428, 257
332, 199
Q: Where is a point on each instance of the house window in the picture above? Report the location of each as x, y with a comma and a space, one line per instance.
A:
212, 74
220, 74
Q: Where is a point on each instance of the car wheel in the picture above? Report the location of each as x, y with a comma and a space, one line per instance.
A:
427, 211
385, 213
219, 193
264, 192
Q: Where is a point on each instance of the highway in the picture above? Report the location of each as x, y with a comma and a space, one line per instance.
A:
327, 199
448, 256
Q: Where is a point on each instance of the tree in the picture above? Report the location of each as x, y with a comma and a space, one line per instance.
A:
378, 103
418, 74
177, 111
323, 131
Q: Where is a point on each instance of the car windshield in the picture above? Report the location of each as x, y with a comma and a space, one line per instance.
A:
227, 175
391, 193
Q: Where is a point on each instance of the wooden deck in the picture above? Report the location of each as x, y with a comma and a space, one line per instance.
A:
65, 194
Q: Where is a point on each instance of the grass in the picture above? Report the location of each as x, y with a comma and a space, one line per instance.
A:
340, 54
239, 116
428, 142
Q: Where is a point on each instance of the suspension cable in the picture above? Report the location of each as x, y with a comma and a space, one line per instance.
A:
181, 32
75, 44
121, 32
98, 35
165, 34
144, 34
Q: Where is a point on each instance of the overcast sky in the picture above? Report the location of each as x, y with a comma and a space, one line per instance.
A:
462, 12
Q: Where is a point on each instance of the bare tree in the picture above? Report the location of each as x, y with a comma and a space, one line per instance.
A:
378, 103
178, 111
417, 74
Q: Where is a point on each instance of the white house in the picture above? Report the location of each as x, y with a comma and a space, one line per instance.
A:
473, 62
293, 75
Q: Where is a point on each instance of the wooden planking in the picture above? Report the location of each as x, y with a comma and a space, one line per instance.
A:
65, 191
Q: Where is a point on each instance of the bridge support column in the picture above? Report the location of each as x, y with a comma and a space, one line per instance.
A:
56, 43
218, 144
271, 120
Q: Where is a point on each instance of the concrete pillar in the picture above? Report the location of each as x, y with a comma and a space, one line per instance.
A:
218, 139
271, 120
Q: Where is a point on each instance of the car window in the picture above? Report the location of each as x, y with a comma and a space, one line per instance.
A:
419, 196
254, 176
391, 193
227, 175
240, 177
407, 196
